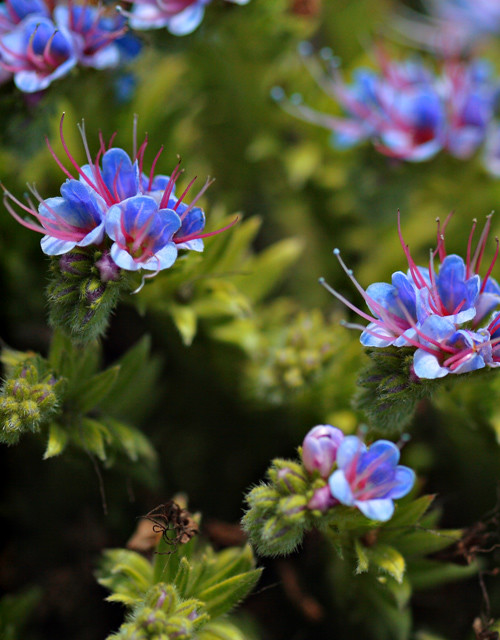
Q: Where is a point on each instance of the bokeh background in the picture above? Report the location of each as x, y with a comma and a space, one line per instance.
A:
246, 354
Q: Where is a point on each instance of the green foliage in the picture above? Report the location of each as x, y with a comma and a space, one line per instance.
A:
183, 591
222, 287
15, 611
68, 394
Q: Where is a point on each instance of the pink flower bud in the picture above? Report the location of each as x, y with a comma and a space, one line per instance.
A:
319, 449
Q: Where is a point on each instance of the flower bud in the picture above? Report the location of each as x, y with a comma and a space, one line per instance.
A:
292, 508
319, 449
322, 500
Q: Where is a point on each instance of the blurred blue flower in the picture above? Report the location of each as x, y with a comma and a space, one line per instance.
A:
370, 478
95, 33
405, 110
179, 17
37, 52
435, 311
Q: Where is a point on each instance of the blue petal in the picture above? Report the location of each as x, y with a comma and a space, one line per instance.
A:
83, 203
186, 21
96, 236
119, 174
383, 450
405, 478
54, 247
379, 509
164, 258
427, 366
349, 448
383, 337
123, 259
340, 488
451, 285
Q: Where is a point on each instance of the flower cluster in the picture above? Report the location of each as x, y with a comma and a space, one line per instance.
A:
405, 110
179, 17
452, 26
368, 478
133, 217
447, 315
41, 41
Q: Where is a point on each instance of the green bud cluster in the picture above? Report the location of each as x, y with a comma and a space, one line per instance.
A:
163, 615
278, 517
292, 356
84, 289
27, 398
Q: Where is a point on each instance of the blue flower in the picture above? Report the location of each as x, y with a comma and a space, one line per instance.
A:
370, 478
436, 311
408, 112
95, 34
75, 219
444, 349
111, 198
37, 53
180, 17
142, 234
12, 12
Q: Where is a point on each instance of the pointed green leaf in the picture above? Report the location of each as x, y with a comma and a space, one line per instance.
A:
97, 388
57, 441
423, 542
220, 630
60, 350
408, 514
362, 557
388, 560
268, 268
426, 574
91, 435
222, 597
133, 441
185, 320
229, 562
182, 577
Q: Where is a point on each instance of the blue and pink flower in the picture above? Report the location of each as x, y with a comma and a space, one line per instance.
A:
436, 311
112, 203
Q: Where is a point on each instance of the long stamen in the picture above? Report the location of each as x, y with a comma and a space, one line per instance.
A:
184, 194
153, 166
416, 275
469, 249
207, 184
478, 254
170, 186
196, 236
490, 268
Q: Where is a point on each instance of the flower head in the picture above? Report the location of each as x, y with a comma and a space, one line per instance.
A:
111, 201
407, 111
370, 478
95, 31
179, 17
437, 311
37, 53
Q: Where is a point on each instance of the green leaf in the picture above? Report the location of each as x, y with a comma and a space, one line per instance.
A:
91, 435
131, 440
408, 514
229, 562
362, 557
57, 441
426, 574
182, 577
222, 597
97, 388
388, 560
60, 349
220, 630
185, 320
268, 268
127, 574
423, 542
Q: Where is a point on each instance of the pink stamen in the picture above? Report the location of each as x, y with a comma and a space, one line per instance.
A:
196, 236
478, 254
169, 188
142, 232
490, 268
469, 249
184, 194
415, 273
207, 184
153, 166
